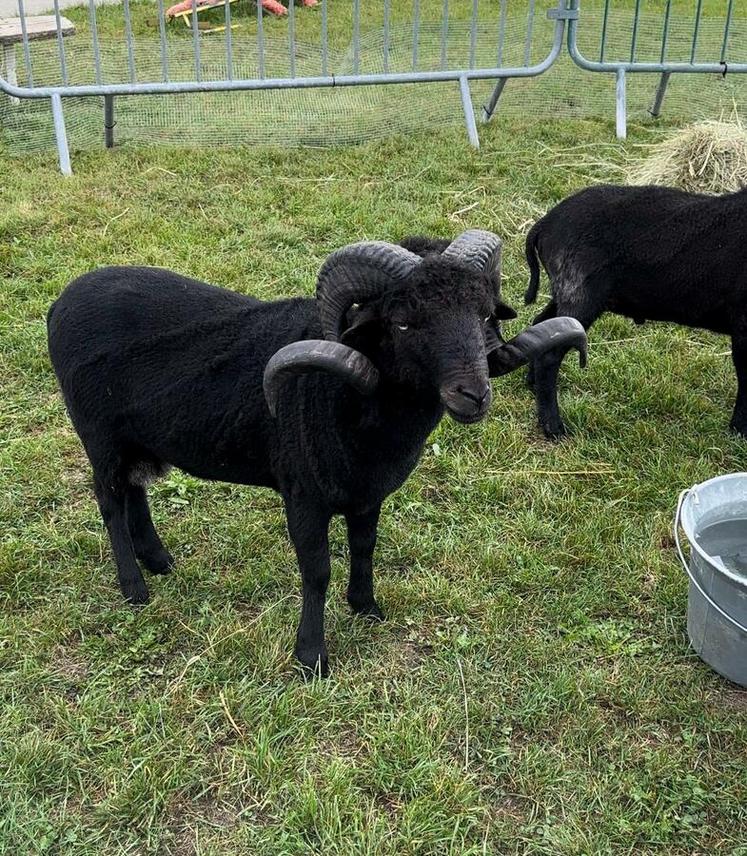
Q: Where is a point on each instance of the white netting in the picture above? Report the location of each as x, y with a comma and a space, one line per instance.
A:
319, 117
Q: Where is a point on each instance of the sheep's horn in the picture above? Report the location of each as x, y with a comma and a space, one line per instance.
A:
318, 355
559, 334
356, 273
493, 340
478, 250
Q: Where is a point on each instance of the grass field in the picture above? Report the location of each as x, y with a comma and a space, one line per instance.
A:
532, 690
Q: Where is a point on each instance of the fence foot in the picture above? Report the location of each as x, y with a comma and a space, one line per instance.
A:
109, 121
469, 113
621, 122
489, 108
661, 89
61, 135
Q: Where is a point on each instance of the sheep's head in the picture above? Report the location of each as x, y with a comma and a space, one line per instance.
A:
429, 321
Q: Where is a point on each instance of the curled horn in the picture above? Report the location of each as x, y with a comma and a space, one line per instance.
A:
356, 273
561, 334
478, 250
318, 355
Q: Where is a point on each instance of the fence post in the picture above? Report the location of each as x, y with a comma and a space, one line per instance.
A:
109, 121
60, 134
621, 109
489, 108
661, 89
469, 113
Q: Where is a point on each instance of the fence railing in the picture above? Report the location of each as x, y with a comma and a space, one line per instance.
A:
684, 45
427, 48
349, 43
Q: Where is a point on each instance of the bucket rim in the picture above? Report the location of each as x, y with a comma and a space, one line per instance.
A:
692, 540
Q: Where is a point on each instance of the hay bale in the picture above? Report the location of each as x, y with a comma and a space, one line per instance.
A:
707, 157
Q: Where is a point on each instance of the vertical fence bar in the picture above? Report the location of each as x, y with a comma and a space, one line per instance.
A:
228, 40
469, 113
60, 41
530, 24
324, 38
621, 119
727, 27
444, 33
489, 108
162, 40
61, 135
260, 42
356, 36
128, 36
415, 33
26, 51
696, 30
502, 31
661, 89
386, 36
109, 121
292, 38
665, 31
605, 19
634, 37
473, 35
95, 40
196, 42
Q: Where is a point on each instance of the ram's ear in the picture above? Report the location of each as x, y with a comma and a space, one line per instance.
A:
363, 323
504, 312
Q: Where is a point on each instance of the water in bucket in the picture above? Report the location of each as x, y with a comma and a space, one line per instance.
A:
713, 515
726, 542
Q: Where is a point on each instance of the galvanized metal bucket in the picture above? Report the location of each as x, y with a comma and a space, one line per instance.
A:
717, 599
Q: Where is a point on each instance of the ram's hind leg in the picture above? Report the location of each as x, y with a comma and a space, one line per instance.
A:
145, 541
112, 501
362, 539
739, 358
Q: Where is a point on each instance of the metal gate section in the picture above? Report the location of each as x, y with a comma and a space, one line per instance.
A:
437, 48
666, 42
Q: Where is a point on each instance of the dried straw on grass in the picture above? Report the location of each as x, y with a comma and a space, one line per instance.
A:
707, 157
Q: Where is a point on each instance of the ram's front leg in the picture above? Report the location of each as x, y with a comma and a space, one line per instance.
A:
308, 527
362, 539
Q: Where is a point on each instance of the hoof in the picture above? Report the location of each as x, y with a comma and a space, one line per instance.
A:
158, 562
554, 431
136, 593
314, 663
738, 425
369, 610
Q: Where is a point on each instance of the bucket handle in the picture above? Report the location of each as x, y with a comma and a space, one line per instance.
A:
709, 600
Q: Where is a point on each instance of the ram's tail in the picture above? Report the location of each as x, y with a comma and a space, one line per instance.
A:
533, 262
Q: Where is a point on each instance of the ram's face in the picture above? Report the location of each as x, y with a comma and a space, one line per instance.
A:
440, 327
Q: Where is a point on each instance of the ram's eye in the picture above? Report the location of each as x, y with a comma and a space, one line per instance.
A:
403, 326
485, 320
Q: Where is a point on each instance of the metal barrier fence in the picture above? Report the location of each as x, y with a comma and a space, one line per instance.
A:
396, 41
423, 69
679, 49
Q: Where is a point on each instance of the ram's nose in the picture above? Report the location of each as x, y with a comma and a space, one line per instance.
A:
467, 402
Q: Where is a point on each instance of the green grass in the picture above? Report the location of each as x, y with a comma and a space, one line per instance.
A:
543, 574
